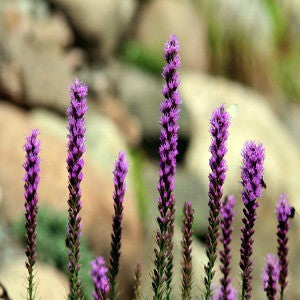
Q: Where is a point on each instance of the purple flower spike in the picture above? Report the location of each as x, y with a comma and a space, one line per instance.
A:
31, 183
284, 213
120, 171
163, 270
252, 182
232, 294
100, 280
227, 214
270, 276
76, 148
219, 125
186, 244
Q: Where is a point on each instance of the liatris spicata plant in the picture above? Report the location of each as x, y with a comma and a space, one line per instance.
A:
186, 244
120, 171
75, 162
252, 182
219, 295
163, 262
284, 213
219, 125
31, 183
270, 276
227, 213
137, 281
100, 280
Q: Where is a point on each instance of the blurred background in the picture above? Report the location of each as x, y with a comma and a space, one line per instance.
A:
244, 53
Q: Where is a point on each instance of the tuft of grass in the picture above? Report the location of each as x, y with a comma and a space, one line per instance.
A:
136, 158
133, 53
51, 248
288, 72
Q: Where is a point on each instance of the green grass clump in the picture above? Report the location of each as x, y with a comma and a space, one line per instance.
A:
51, 248
136, 158
134, 54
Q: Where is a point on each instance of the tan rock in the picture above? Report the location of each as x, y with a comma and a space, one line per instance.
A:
50, 283
35, 67
160, 18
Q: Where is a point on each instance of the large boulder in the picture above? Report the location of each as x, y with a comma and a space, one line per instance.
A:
50, 283
143, 99
97, 185
35, 66
252, 119
160, 18
101, 23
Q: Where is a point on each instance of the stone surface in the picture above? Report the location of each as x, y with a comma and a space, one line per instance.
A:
254, 120
160, 18
99, 22
188, 187
51, 284
35, 68
97, 183
143, 99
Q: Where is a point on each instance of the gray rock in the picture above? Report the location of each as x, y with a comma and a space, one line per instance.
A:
141, 93
103, 22
33, 55
188, 187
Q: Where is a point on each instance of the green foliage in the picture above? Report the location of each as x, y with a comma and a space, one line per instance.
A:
288, 70
51, 248
133, 53
140, 190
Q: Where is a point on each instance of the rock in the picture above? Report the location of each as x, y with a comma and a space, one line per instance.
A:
34, 66
97, 185
256, 121
160, 18
46, 79
99, 128
101, 23
143, 99
51, 284
127, 124
188, 187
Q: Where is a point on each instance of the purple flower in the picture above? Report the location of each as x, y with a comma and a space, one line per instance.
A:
137, 281
76, 148
100, 280
252, 182
284, 213
219, 125
31, 183
232, 294
227, 214
163, 270
186, 244
270, 276
120, 171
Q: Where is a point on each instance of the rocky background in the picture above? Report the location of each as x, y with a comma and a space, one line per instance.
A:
242, 53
